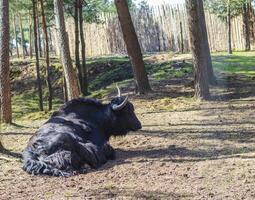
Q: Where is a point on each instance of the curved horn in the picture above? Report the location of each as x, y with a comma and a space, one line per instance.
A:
119, 94
122, 105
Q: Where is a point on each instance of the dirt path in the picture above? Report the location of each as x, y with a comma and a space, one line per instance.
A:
198, 151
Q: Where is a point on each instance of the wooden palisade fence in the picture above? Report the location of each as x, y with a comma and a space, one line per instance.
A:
161, 28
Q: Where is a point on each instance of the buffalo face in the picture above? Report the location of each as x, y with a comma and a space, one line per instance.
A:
126, 119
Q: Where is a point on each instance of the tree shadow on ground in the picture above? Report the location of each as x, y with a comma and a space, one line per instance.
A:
237, 86
9, 153
114, 192
176, 155
197, 133
16, 133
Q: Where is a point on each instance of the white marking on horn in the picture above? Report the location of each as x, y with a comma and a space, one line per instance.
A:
119, 94
122, 105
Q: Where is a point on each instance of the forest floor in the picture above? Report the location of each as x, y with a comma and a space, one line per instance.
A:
185, 150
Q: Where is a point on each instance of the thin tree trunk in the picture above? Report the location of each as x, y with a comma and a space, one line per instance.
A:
39, 83
83, 54
206, 50
246, 27
30, 37
22, 36
39, 41
77, 42
133, 46
65, 89
5, 87
229, 29
69, 72
197, 47
50, 40
47, 57
181, 33
16, 35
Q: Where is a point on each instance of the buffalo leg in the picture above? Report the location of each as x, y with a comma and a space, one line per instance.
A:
64, 160
92, 154
109, 151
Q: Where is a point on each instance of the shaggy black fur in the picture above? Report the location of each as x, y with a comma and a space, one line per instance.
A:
78, 134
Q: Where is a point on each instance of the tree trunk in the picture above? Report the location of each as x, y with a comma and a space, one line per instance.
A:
70, 75
16, 35
84, 87
39, 83
229, 29
246, 26
30, 37
47, 57
182, 42
133, 47
39, 41
65, 90
206, 50
197, 48
22, 36
77, 42
50, 40
5, 87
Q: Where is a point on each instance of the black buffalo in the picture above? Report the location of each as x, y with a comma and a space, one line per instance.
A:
78, 134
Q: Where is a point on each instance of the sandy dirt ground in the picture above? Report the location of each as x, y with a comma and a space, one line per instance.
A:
195, 150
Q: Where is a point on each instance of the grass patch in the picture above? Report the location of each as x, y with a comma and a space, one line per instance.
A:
104, 72
242, 63
26, 107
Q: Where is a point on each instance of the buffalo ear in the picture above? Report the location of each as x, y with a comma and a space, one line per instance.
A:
119, 106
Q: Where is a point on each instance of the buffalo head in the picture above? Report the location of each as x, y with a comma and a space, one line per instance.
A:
125, 119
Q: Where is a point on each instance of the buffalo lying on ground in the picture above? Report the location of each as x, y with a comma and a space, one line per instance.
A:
78, 134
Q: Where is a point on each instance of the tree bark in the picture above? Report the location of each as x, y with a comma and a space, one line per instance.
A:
30, 37
229, 29
182, 42
197, 47
206, 49
39, 41
133, 47
47, 57
246, 27
16, 35
84, 87
70, 75
39, 83
22, 36
77, 41
5, 88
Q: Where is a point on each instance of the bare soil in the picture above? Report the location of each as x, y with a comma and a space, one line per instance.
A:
186, 150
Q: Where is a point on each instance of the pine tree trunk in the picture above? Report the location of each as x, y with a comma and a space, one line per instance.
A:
5, 87
229, 29
47, 57
38, 31
206, 50
182, 42
30, 37
39, 83
246, 27
16, 35
22, 36
83, 55
77, 42
70, 75
196, 32
133, 47
50, 40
